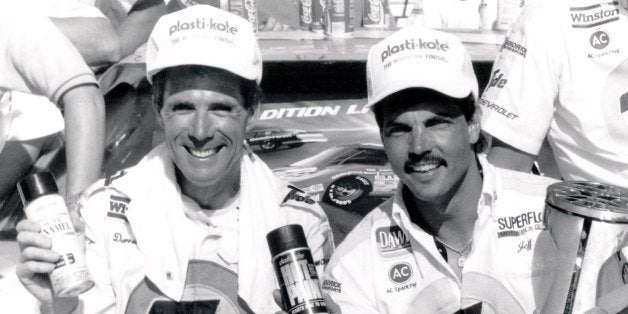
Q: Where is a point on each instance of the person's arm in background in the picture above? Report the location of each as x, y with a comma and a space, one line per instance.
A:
42, 61
135, 29
518, 102
93, 37
505, 156
84, 115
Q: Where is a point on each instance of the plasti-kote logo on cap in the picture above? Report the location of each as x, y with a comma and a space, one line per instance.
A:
203, 24
412, 44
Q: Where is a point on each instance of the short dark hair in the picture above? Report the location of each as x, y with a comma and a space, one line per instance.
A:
401, 98
251, 92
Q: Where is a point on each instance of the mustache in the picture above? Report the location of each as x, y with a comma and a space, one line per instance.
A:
426, 157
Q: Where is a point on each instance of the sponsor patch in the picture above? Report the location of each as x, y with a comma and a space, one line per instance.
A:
599, 40
594, 15
515, 47
495, 107
400, 273
332, 285
514, 226
497, 79
203, 24
411, 44
391, 240
298, 195
118, 206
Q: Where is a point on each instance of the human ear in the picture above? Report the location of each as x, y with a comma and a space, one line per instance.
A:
474, 126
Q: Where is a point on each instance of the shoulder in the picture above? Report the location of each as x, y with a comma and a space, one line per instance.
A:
359, 242
524, 183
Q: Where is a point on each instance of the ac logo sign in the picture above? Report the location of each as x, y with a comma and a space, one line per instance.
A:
400, 273
599, 40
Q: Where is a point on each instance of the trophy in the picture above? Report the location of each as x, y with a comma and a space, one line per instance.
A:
589, 224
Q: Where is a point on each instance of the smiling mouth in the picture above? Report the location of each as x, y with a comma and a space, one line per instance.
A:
425, 167
203, 153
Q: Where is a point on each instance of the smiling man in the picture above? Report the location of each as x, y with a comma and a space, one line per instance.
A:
185, 229
459, 233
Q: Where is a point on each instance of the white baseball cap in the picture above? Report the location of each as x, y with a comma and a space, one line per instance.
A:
204, 35
417, 57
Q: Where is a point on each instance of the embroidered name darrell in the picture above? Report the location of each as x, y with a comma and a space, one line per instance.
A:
201, 23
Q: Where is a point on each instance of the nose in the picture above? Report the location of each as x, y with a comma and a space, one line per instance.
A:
420, 141
201, 130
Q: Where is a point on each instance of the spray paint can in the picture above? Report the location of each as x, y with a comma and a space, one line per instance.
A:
246, 9
296, 272
43, 204
374, 14
339, 18
318, 16
305, 14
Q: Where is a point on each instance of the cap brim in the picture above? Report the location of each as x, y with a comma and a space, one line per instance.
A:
440, 80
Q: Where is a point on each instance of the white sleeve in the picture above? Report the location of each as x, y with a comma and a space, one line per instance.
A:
348, 281
518, 102
101, 298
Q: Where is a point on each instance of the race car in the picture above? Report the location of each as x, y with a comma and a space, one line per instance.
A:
343, 175
273, 139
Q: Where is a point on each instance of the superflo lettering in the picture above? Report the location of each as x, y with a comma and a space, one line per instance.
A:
411, 44
520, 221
594, 15
201, 23
514, 226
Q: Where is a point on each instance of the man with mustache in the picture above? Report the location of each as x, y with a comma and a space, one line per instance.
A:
459, 233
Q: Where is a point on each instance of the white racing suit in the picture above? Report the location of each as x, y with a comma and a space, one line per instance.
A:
387, 264
139, 251
563, 71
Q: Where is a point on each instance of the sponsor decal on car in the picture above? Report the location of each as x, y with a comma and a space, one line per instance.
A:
312, 111
594, 15
514, 226
392, 241
312, 189
515, 47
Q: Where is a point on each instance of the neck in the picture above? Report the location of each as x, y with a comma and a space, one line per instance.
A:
215, 196
451, 220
